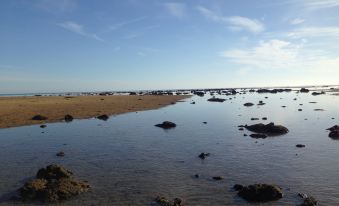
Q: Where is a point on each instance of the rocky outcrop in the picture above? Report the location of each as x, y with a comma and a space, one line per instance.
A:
52, 184
268, 129
260, 192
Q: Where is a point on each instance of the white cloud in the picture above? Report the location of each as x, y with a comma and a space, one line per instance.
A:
124, 23
176, 9
283, 55
297, 21
320, 4
235, 23
314, 32
79, 29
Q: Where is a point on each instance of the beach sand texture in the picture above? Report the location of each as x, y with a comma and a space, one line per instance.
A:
18, 111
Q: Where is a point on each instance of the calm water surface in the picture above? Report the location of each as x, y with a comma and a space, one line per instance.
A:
128, 161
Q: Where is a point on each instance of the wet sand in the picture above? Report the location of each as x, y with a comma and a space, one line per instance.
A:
18, 111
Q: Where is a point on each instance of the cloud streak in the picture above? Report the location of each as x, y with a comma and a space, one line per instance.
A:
235, 23
78, 29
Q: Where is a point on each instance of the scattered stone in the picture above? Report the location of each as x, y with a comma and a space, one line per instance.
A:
300, 145
261, 103
238, 187
312, 102
196, 175
39, 117
302, 195
68, 118
165, 202
260, 193
241, 129
258, 136
268, 129
303, 90
204, 122
300, 110
43, 126
218, 177
60, 154
334, 132
214, 99
192, 102
319, 110
264, 118
248, 104
203, 155
166, 125
283, 106
103, 117
245, 135
309, 201
254, 118
53, 184
317, 93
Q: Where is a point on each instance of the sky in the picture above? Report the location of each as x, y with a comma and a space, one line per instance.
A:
105, 45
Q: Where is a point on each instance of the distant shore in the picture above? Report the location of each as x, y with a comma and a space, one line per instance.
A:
18, 111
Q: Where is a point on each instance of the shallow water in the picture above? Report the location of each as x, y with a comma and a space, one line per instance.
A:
128, 161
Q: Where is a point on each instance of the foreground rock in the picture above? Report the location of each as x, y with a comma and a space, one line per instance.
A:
165, 202
248, 104
68, 118
260, 192
203, 155
166, 125
53, 184
268, 129
334, 132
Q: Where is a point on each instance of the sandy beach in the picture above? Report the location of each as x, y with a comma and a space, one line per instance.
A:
18, 111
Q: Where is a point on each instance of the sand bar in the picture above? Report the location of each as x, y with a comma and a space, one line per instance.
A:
18, 111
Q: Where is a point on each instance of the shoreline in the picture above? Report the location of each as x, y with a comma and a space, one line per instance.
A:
18, 111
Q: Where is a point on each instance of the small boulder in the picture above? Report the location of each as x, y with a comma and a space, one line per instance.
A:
60, 154
260, 193
258, 136
166, 125
309, 201
43, 126
218, 177
238, 187
268, 129
203, 155
248, 104
39, 117
103, 117
300, 145
68, 118
214, 99
162, 201
334, 132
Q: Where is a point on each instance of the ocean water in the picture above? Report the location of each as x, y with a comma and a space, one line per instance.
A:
129, 161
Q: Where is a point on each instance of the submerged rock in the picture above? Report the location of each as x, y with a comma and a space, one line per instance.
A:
258, 136
304, 90
165, 202
39, 117
203, 155
166, 125
260, 193
218, 177
300, 145
309, 201
238, 187
43, 126
103, 117
268, 129
53, 184
60, 154
68, 118
317, 93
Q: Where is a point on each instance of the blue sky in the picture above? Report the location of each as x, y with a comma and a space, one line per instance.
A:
73, 45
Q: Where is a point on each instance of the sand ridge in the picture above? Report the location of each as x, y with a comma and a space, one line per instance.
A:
18, 111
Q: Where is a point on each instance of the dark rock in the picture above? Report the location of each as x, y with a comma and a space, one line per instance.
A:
309, 201
192, 102
166, 125
218, 177
196, 175
68, 118
321, 110
268, 129
300, 110
162, 201
60, 154
103, 117
248, 104
39, 117
203, 155
241, 129
260, 193
264, 118
53, 184
334, 132
214, 99
304, 90
43, 126
245, 135
317, 93
257, 136
204, 122
300, 145
238, 187
254, 118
